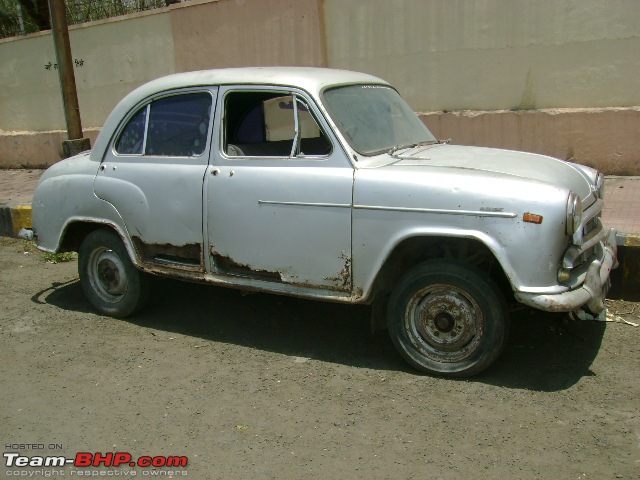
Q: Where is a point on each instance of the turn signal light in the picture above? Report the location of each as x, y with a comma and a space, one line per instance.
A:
564, 274
532, 218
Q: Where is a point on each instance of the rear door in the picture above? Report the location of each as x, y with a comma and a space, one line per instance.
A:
153, 175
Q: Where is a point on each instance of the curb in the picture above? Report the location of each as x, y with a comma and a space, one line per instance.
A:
625, 279
628, 239
13, 218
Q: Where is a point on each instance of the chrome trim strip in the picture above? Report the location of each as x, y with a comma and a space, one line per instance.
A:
305, 204
438, 211
146, 128
475, 213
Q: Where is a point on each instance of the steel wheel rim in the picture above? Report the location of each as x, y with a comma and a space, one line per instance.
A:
107, 275
444, 323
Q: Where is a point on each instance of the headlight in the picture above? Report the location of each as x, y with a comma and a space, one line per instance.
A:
600, 185
574, 213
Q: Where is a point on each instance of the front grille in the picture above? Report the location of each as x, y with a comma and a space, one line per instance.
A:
584, 257
587, 242
591, 225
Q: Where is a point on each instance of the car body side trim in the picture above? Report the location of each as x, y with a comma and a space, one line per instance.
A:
438, 211
475, 213
305, 204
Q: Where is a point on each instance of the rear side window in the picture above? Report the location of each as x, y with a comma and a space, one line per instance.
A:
132, 137
174, 126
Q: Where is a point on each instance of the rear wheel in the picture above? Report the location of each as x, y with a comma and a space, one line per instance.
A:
448, 318
109, 280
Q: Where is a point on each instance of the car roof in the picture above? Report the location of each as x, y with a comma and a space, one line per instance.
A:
312, 80
308, 78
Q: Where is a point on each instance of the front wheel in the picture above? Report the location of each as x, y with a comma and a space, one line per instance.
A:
109, 280
448, 318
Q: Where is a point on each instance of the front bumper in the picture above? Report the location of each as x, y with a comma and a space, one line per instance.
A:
593, 291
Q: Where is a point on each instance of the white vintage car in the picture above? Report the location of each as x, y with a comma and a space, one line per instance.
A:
324, 184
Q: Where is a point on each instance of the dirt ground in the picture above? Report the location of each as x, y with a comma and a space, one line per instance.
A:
261, 386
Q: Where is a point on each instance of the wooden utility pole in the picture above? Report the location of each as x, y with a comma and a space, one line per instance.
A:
76, 143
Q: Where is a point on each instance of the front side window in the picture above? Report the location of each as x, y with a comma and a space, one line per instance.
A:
374, 118
174, 126
270, 124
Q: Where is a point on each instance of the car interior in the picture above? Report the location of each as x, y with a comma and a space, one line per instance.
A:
262, 124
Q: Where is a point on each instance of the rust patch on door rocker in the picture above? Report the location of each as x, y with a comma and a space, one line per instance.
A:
184, 257
343, 279
225, 264
228, 265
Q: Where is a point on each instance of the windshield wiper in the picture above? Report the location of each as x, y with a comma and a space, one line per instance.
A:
397, 148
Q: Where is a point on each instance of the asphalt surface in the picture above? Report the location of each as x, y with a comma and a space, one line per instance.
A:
267, 387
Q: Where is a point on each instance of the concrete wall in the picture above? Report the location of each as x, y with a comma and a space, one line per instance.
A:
244, 33
492, 54
511, 57
114, 56
111, 59
35, 149
606, 139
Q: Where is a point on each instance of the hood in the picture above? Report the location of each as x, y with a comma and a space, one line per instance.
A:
494, 162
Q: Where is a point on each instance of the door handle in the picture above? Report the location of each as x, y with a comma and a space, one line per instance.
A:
215, 172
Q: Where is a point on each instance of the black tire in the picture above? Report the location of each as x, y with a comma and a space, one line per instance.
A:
448, 318
109, 280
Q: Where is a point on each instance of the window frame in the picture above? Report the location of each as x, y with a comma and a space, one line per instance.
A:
146, 103
296, 95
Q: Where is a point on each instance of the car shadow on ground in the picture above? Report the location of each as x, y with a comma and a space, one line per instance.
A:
544, 353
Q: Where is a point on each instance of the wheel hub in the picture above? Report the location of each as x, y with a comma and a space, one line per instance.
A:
107, 274
445, 321
110, 277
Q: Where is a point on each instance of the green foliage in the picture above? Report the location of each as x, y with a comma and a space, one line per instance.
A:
79, 11
58, 257
19, 17
29, 246
10, 25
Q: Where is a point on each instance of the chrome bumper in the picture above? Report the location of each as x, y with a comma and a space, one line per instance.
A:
593, 291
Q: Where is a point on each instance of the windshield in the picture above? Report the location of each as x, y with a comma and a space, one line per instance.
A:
375, 119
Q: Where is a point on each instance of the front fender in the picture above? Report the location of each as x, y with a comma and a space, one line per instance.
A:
368, 265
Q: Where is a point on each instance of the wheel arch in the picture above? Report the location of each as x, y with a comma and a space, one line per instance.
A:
411, 250
77, 229
110, 280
